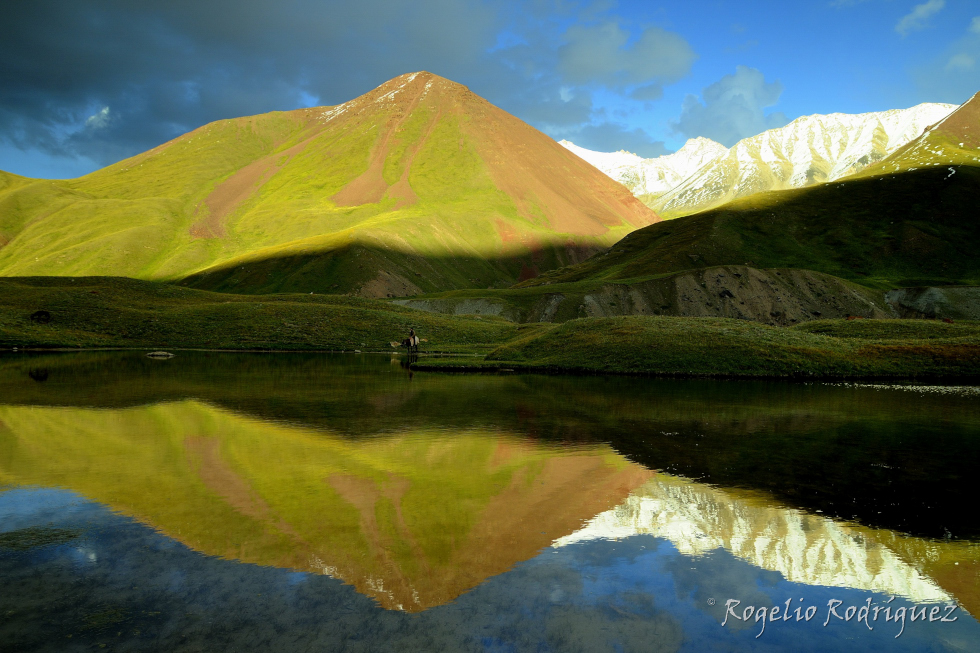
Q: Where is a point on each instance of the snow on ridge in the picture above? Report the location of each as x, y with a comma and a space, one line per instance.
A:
390, 94
810, 149
333, 112
651, 175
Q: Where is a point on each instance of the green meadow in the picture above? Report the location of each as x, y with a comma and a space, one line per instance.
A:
92, 312
124, 313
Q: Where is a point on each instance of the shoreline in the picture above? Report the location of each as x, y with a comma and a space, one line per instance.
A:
582, 371
508, 367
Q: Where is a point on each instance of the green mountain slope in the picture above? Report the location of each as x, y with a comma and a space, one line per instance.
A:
917, 227
417, 185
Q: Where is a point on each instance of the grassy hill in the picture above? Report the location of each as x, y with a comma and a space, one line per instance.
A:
417, 185
912, 228
774, 296
94, 312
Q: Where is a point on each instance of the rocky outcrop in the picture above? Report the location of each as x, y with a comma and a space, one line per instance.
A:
778, 297
464, 306
952, 302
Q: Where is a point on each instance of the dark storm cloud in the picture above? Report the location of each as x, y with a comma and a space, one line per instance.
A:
166, 67
105, 79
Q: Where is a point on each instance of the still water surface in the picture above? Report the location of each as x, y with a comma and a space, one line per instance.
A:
226, 502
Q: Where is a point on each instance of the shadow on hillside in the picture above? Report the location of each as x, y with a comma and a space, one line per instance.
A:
914, 228
379, 271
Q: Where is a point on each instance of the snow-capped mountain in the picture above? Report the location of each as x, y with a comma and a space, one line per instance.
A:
652, 176
809, 150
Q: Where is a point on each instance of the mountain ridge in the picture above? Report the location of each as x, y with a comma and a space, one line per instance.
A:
811, 149
652, 176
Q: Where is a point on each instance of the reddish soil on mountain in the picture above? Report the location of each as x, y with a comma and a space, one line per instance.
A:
232, 192
423, 139
538, 173
551, 187
963, 125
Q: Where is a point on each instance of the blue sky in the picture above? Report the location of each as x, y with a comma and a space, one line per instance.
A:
89, 82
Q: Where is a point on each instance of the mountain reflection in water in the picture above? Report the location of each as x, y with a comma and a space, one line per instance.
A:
411, 519
416, 491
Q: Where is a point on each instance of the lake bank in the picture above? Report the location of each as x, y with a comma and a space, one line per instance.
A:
714, 347
113, 313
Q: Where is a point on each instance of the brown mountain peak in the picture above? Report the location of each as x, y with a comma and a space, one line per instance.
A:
963, 124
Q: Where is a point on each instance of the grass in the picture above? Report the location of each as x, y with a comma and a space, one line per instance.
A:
106, 312
912, 228
518, 303
110, 312
735, 348
799, 294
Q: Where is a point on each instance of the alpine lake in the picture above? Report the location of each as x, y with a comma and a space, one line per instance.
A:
340, 502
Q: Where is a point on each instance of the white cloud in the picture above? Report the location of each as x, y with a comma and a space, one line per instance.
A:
918, 17
733, 108
99, 119
961, 61
975, 25
602, 54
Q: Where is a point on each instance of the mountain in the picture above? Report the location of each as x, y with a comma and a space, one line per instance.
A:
417, 185
808, 151
953, 140
910, 220
780, 297
652, 176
